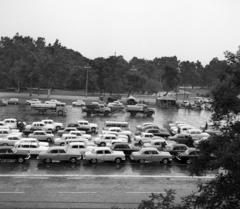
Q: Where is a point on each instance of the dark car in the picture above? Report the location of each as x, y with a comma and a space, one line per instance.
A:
174, 149
10, 153
157, 132
182, 139
79, 127
125, 147
188, 156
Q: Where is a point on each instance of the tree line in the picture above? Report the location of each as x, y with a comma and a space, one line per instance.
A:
25, 62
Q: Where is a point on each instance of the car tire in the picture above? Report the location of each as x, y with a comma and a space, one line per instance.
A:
48, 160
188, 161
60, 113
73, 160
93, 161
141, 161
40, 112
49, 140
165, 161
103, 144
20, 160
118, 160
58, 128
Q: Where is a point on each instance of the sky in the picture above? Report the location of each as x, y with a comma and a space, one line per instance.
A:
189, 29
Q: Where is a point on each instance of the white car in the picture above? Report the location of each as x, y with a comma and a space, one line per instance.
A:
42, 136
56, 125
104, 139
40, 125
11, 122
79, 103
62, 141
81, 147
31, 140
159, 143
93, 126
33, 101
5, 132
81, 133
11, 139
197, 134
31, 147
104, 154
13, 101
144, 137
181, 129
52, 101
118, 131
116, 104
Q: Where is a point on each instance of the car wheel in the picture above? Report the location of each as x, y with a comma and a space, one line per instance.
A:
40, 112
49, 140
188, 161
48, 160
93, 130
118, 160
165, 161
60, 112
20, 160
141, 161
73, 160
58, 128
93, 161
103, 144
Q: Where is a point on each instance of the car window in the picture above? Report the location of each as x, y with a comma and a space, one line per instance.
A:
154, 152
107, 152
99, 152
62, 151
147, 153
54, 151
74, 146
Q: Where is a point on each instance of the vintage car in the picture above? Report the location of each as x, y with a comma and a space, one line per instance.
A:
81, 147
158, 132
85, 124
116, 104
66, 130
182, 128
118, 131
31, 147
11, 139
188, 156
59, 154
182, 139
144, 137
81, 134
125, 147
174, 149
78, 127
56, 125
196, 142
33, 101
31, 140
104, 139
11, 122
52, 101
40, 124
78, 103
159, 143
4, 132
10, 153
151, 154
13, 101
197, 134
104, 154
67, 138
140, 127
42, 136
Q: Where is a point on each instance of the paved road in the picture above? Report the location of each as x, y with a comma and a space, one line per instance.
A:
87, 191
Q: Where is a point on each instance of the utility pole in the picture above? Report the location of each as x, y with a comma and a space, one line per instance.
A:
87, 67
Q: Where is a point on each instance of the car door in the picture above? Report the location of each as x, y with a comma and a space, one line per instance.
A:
62, 155
155, 157
108, 155
147, 156
42, 136
53, 154
34, 149
100, 155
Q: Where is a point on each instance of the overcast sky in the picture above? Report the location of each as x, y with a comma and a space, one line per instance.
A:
189, 29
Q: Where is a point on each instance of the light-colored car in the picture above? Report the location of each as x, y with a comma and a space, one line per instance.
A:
59, 154
160, 143
70, 137
31, 147
197, 134
151, 154
31, 140
11, 139
140, 127
66, 130
11, 122
79, 103
52, 101
33, 101
13, 101
81, 147
118, 131
144, 137
182, 129
5, 132
39, 125
104, 139
42, 136
93, 126
81, 134
104, 154
57, 126
116, 104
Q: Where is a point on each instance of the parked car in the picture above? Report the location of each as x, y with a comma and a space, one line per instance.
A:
11, 122
104, 139
188, 156
33, 101
66, 130
84, 124
79, 127
157, 132
104, 154
81, 147
4, 132
10, 153
32, 148
59, 154
57, 125
182, 139
196, 142
13, 101
81, 134
79, 103
197, 134
42, 136
174, 149
160, 144
11, 139
116, 105
31, 140
125, 147
144, 137
3, 102
140, 127
40, 124
151, 154
52, 101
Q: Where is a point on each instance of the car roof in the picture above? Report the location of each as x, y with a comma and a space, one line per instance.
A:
102, 148
179, 145
77, 143
57, 147
149, 149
